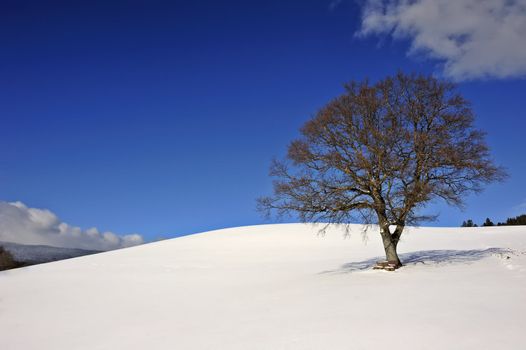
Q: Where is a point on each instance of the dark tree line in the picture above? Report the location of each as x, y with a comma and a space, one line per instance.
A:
7, 261
517, 220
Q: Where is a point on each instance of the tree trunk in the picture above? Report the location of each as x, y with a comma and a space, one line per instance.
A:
390, 243
391, 253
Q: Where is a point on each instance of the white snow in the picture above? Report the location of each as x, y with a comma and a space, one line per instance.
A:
277, 287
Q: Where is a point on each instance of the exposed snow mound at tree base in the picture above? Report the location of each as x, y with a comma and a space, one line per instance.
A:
277, 287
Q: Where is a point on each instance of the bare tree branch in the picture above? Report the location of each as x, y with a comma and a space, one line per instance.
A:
379, 153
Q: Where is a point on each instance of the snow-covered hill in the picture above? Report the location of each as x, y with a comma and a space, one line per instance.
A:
277, 287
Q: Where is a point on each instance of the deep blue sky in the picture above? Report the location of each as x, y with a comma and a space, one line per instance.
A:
161, 118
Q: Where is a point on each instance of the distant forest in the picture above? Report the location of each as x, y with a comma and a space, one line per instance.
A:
7, 261
518, 220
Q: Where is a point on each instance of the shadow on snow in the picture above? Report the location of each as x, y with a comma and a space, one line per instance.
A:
429, 257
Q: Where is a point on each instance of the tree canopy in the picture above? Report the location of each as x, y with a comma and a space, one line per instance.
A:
379, 153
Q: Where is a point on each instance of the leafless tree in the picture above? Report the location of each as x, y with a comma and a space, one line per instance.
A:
379, 153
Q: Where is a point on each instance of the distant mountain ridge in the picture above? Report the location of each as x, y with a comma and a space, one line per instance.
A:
38, 254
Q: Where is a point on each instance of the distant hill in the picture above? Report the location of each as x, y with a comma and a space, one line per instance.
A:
38, 254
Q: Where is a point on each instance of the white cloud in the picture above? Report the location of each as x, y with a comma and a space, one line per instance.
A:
20, 224
473, 38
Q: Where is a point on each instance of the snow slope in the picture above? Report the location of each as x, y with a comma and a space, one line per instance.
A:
276, 287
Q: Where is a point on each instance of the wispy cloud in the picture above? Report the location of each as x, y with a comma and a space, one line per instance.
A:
334, 4
472, 38
519, 209
20, 224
